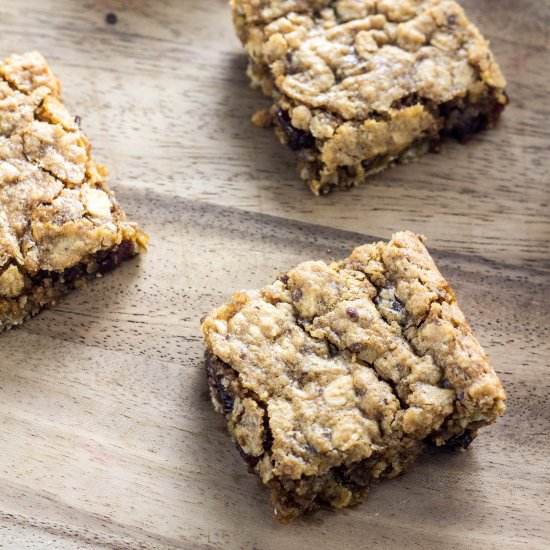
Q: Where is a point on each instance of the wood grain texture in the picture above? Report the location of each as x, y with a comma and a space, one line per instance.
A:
107, 435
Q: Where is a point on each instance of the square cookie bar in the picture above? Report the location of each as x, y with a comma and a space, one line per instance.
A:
358, 85
59, 222
337, 375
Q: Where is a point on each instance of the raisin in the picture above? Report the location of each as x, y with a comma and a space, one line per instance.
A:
355, 348
224, 397
73, 273
409, 100
109, 259
332, 349
283, 279
297, 295
465, 129
397, 306
460, 441
352, 313
297, 139
42, 275
111, 18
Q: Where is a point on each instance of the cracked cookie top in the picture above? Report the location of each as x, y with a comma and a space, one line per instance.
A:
55, 208
352, 358
358, 59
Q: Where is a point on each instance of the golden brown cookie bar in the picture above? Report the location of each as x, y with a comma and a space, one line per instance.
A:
337, 375
358, 85
59, 222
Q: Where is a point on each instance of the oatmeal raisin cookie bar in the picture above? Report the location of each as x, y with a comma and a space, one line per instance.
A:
59, 222
339, 374
358, 85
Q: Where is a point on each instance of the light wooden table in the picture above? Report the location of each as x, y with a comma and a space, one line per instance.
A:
107, 436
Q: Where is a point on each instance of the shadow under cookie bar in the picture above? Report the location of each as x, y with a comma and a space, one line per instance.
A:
358, 87
337, 375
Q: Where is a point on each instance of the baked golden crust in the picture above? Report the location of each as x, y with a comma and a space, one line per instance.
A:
56, 212
359, 84
347, 367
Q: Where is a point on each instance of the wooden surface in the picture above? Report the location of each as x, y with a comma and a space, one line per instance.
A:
107, 436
